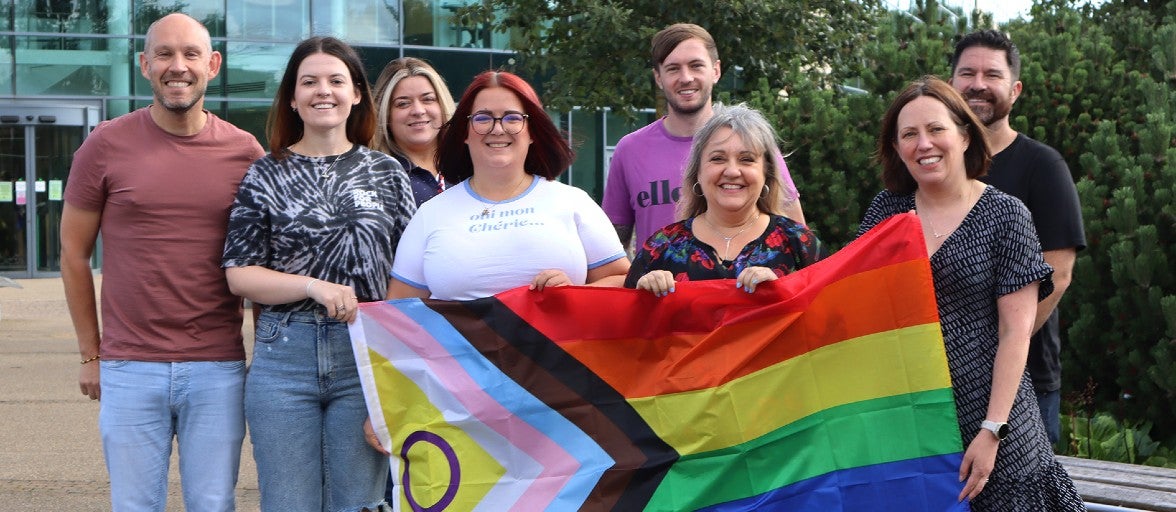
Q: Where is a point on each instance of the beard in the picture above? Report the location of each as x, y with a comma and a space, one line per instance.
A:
680, 108
995, 110
179, 105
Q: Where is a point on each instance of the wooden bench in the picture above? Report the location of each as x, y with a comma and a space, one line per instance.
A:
1123, 485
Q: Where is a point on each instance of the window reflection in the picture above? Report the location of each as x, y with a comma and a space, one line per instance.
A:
61, 16
249, 116
254, 69
358, 21
72, 70
442, 23
272, 20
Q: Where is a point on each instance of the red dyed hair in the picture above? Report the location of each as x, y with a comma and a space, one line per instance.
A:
548, 156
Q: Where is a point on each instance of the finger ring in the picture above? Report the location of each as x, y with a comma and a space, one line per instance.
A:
341, 307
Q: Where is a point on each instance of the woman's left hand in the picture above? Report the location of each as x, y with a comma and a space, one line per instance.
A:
550, 277
978, 462
752, 276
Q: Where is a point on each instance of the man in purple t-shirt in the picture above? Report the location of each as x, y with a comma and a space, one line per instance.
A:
645, 174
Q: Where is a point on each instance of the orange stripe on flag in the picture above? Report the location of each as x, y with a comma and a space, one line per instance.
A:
686, 361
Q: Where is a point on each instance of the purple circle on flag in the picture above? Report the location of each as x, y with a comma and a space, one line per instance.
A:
454, 470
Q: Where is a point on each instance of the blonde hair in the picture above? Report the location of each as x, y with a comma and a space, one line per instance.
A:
755, 131
393, 73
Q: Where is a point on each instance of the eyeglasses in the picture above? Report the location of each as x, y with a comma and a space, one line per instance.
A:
512, 123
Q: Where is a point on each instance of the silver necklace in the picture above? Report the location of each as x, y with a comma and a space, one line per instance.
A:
325, 170
488, 208
329, 171
931, 224
727, 239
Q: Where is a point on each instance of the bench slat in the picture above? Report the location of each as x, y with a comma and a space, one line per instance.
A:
1124, 485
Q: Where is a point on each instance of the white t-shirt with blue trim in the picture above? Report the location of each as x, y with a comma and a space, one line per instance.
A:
460, 246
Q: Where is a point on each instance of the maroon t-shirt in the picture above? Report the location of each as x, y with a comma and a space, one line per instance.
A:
164, 201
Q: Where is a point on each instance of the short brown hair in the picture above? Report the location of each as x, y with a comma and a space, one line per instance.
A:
670, 37
895, 175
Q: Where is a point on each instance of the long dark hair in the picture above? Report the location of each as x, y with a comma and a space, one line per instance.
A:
284, 127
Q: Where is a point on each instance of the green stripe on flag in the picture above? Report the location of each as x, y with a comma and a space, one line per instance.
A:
859, 434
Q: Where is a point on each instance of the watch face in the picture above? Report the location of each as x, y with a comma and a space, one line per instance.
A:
1000, 430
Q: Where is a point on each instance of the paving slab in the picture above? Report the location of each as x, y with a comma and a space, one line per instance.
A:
50, 450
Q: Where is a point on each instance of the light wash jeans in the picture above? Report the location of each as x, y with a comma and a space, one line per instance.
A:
305, 408
145, 404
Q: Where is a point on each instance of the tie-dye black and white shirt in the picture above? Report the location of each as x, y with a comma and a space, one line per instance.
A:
338, 219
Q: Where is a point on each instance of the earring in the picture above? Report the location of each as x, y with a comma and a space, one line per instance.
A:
697, 188
764, 192
293, 108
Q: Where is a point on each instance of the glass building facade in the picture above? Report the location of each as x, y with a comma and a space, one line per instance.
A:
66, 65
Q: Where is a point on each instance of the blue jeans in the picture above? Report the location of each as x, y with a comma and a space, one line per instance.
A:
145, 404
305, 408
1050, 403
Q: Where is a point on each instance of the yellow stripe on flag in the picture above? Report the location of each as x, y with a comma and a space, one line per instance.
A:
854, 370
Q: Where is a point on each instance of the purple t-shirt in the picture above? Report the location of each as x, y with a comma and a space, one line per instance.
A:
645, 179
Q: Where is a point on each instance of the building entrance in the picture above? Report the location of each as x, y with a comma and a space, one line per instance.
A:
37, 144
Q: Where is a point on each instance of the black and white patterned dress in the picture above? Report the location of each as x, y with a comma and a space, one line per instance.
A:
993, 252
342, 227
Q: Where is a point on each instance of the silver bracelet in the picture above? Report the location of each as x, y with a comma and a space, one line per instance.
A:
308, 284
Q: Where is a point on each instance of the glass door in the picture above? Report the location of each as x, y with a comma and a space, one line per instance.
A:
13, 202
37, 144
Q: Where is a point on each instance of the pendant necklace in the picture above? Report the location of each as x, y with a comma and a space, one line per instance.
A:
931, 224
727, 239
324, 169
488, 208
329, 171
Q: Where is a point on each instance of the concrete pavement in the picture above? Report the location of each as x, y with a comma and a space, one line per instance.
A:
50, 451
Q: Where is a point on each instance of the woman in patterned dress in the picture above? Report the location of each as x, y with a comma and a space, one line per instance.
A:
989, 274
733, 227
311, 234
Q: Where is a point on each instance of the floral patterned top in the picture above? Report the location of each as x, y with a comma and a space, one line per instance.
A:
785, 247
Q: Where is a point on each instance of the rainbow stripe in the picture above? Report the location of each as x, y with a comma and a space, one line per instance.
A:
825, 390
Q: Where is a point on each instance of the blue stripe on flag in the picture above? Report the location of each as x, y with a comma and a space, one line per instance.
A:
905, 485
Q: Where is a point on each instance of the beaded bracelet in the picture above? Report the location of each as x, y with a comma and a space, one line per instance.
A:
95, 358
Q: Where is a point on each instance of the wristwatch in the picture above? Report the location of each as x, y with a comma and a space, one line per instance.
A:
1000, 430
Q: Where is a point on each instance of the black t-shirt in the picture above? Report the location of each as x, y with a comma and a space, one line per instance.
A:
1038, 176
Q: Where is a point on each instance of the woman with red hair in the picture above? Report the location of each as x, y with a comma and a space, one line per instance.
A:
505, 221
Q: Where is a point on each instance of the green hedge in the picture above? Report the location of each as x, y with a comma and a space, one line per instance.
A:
1100, 86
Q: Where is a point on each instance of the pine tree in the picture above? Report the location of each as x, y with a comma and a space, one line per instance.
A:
1101, 91
1100, 86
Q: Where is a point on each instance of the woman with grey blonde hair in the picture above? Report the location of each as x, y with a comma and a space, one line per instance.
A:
412, 103
732, 225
